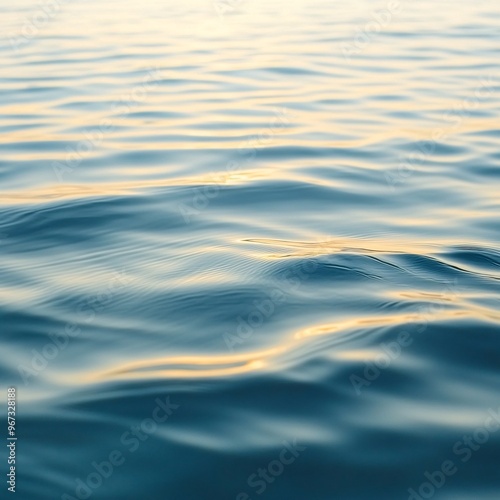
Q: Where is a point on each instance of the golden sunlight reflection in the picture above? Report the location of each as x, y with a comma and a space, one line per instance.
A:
214, 366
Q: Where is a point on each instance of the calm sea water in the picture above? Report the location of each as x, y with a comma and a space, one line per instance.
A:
250, 249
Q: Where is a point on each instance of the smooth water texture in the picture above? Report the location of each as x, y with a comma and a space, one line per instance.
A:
250, 249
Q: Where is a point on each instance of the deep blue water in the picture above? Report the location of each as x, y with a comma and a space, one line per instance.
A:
250, 249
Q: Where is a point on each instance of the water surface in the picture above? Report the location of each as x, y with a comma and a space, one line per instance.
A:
250, 249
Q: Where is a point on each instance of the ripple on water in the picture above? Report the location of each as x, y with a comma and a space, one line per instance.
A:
283, 239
